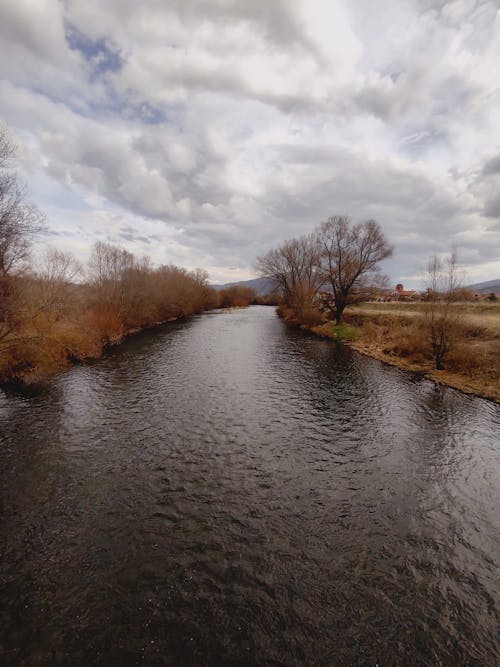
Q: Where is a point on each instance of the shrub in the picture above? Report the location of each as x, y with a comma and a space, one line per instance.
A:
107, 322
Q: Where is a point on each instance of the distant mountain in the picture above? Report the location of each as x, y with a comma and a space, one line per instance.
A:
487, 286
260, 285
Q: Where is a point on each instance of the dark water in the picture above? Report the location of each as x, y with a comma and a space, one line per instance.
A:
228, 491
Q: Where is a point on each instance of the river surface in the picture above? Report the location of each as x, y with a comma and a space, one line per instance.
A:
231, 491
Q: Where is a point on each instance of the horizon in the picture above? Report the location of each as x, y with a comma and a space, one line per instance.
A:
203, 134
392, 285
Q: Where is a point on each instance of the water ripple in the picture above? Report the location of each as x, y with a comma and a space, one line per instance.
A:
229, 491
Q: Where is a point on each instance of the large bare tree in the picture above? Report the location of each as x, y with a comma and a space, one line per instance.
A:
350, 258
19, 220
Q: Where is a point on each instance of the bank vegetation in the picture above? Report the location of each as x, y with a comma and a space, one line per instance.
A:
330, 284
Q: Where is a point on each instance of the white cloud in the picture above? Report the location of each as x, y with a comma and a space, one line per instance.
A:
201, 131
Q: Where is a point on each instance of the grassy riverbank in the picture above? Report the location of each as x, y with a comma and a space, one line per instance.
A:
396, 334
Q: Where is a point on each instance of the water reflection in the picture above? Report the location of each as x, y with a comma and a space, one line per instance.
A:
232, 491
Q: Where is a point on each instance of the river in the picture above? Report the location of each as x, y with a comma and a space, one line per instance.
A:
231, 491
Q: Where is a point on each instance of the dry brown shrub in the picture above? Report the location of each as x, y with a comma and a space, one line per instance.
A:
79, 341
395, 336
49, 318
310, 317
107, 322
285, 312
236, 296
412, 347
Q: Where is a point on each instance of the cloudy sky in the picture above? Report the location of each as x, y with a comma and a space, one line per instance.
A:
202, 132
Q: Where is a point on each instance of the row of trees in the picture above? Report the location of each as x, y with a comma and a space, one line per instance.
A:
61, 309
67, 311
338, 258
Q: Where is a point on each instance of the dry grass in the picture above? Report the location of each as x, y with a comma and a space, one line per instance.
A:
482, 314
396, 333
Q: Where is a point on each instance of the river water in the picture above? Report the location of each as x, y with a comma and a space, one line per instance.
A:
231, 491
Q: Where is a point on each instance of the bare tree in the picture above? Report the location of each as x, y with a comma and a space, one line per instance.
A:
108, 263
56, 280
294, 266
59, 268
110, 266
350, 256
441, 318
19, 223
19, 220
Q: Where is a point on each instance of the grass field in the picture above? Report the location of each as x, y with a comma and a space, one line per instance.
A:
397, 333
474, 314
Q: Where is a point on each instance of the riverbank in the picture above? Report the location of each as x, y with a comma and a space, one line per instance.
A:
66, 312
62, 349
483, 387
395, 334
56, 354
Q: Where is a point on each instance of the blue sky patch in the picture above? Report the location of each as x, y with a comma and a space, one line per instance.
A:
99, 53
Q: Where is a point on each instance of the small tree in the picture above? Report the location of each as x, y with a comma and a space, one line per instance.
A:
350, 256
441, 318
55, 280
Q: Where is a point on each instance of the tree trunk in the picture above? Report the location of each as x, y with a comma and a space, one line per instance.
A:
339, 313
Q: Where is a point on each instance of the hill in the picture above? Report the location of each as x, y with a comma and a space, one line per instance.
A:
261, 286
487, 286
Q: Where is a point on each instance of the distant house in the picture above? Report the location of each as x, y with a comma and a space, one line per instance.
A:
400, 294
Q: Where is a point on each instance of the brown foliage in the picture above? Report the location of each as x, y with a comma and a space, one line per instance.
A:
236, 296
47, 319
308, 316
272, 299
107, 323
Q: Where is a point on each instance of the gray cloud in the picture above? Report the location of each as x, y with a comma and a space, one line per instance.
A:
492, 207
207, 131
492, 166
